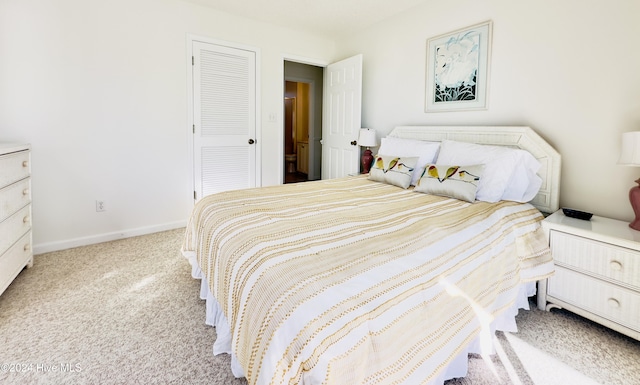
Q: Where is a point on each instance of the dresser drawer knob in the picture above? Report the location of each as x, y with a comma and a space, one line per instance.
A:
25, 192
616, 266
27, 247
614, 303
25, 219
25, 163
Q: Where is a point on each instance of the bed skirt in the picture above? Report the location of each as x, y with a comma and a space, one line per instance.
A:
483, 344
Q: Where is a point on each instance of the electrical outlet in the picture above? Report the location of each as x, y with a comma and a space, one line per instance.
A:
100, 206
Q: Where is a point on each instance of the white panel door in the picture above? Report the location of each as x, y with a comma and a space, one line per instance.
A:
341, 118
224, 104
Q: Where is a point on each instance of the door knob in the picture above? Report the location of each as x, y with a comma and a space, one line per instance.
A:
354, 143
251, 141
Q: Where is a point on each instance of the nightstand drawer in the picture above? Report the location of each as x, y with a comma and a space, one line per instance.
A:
595, 296
596, 258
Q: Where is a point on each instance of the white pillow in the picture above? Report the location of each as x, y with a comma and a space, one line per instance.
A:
424, 150
509, 174
525, 182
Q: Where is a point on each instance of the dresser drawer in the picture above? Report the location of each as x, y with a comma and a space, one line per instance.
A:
14, 227
607, 300
596, 258
14, 260
14, 197
14, 167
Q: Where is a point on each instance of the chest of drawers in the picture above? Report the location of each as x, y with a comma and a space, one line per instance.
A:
597, 271
15, 211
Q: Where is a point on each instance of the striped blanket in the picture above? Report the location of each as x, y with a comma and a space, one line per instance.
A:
350, 281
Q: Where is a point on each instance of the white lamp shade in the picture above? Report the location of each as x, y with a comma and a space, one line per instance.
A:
630, 149
367, 137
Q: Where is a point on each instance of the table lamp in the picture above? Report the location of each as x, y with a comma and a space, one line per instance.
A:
367, 138
631, 157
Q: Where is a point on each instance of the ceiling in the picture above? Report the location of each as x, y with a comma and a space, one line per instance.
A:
324, 17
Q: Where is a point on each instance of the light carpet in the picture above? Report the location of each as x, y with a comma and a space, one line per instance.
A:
128, 312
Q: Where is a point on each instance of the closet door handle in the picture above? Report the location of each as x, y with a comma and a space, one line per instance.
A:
251, 141
354, 143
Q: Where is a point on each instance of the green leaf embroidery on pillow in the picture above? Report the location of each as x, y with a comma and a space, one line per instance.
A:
451, 171
433, 172
395, 162
463, 172
400, 165
392, 164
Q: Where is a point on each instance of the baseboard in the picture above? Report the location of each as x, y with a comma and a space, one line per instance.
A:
106, 237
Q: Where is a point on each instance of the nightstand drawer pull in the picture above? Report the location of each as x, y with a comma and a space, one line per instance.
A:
614, 303
27, 247
616, 265
25, 163
25, 219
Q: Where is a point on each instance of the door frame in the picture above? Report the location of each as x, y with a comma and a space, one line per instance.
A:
312, 116
301, 60
190, 39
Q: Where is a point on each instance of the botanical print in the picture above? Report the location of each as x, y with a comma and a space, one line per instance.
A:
456, 68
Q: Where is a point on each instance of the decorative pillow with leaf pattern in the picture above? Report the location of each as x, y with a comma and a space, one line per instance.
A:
393, 170
460, 182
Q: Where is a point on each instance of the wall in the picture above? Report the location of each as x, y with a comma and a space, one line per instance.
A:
99, 90
567, 68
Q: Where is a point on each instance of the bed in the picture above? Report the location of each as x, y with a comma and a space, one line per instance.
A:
361, 281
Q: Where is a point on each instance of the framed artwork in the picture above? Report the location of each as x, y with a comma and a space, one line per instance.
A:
458, 69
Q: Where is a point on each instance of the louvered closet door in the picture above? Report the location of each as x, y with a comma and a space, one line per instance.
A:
224, 102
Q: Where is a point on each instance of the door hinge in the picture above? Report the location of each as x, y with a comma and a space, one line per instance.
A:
193, 61
194, 128
194, 195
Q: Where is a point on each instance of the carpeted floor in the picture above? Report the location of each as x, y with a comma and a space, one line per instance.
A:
128, 312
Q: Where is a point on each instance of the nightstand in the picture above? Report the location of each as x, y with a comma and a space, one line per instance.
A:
597, 271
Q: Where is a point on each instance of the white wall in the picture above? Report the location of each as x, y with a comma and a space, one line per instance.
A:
570, 69
99, 90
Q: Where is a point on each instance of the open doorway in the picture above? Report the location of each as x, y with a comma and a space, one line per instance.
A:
302, 123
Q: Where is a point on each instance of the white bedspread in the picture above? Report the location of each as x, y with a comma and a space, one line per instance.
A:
350, 281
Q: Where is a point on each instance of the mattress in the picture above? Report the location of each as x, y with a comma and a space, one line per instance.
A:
350, 281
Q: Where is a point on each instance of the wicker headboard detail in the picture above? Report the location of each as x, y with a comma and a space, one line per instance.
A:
522, 137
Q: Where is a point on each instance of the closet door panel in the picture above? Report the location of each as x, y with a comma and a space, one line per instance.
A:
224, 103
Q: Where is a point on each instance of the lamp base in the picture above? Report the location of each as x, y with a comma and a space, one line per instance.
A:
634, 198
367, 159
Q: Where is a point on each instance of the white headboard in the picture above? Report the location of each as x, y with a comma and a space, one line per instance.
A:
525, 138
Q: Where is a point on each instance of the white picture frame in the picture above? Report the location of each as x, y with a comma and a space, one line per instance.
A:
457, 66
